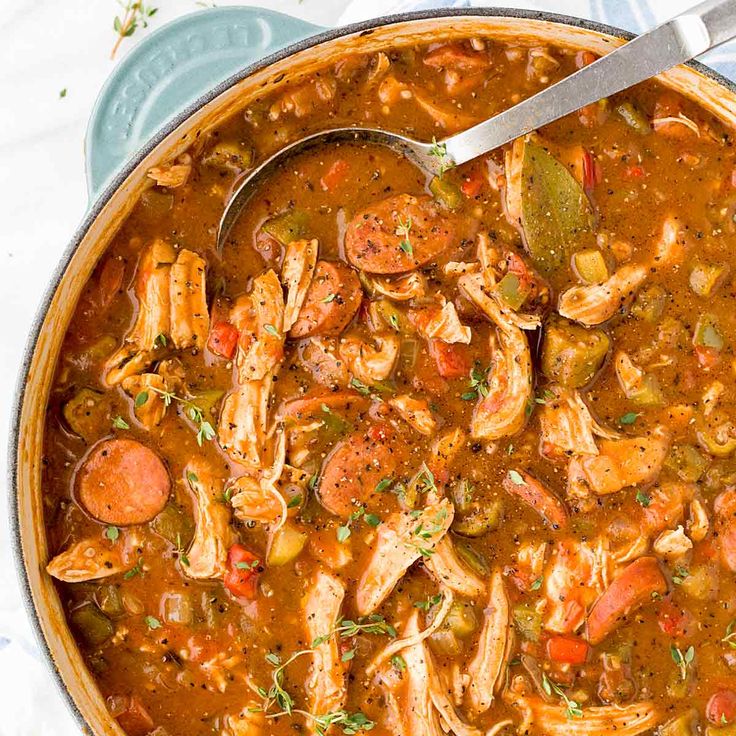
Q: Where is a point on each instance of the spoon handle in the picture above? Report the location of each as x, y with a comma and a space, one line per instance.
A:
681, 38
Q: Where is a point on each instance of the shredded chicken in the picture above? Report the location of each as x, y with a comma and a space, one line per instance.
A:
672, 544
487, 668
149, 405
502, 411
401, 539
448, 569
370, 362
551, 719
595, 303
325, 685
95, 558
300, 260
415, 412
566, 425
213, 536
576, 574
401, 288
444, 324
261, 343
620, 463
174, 174
242, 431
190, 322
153, 317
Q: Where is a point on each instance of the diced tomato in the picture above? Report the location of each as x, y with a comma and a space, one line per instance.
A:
135, 720
673, 620
223, 339
567, 649
335, 175
707, 357
473, 183
633, 172
721, 708
450, 359
380, 432
243, 567
583, 58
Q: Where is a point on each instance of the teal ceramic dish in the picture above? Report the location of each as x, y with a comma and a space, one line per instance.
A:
176, 84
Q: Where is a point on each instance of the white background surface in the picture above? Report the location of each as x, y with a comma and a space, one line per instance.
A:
49, 45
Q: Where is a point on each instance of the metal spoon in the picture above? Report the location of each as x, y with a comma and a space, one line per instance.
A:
681, 38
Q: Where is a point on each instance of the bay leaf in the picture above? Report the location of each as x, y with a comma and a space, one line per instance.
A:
555, 214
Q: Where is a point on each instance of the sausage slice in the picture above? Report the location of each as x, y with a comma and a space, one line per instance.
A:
397, 234
331, 301
123, 482
355, 467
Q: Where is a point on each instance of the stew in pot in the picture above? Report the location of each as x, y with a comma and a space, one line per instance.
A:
412, 456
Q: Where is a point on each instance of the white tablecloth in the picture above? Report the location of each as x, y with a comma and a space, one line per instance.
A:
48, 46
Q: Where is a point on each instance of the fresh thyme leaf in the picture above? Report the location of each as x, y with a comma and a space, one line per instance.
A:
160, 341
682, 659
572, 708
271, 330
403, 230
359, 386
537, 584
136, 570
398, 662
140, 399
384, 484
643, 499
438, 149
516, 478
152, 622
294, 501
192, 478
628, 418
329, 298
343, 533
119, 423
135, 15
425, 605
112, 533
62, 94
680, 574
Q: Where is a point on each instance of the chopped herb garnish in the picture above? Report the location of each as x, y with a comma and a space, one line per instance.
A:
428, 603
345, 628
294, 501
478, 383
537, 584
643, 499
359, 386
271, 330
372, 519
136, 570
329, 298
516, 478
181, 554
192, 478
62, 94
730, 638
112, 533
398, 662
160, 341
119, 423
347, 655
572, 708
205, 430
135, 15
312, 482
152, 622
628, 418
682, 659
680, 574
402, 230
141, 399
350, 723
438, 149
384, 484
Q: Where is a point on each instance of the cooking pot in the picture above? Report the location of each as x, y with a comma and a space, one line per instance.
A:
176, 84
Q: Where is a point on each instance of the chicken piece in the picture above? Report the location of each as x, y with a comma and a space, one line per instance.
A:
370, 363
300, 260
325, 685
669, 250
448, 570
400, 541
567, 427
190, 321
442, 323
444, 451
593, 304
487, 668
149, 405
95, 558
401, 288
261, 343
250, 721
666, 506
153, 317
529, 565
502, 411
304, 99
173, 174
672, 544
575, 575
320, 356
244, 421
415, 412
258, 498
620, 463
698, 523
552, 719
213, 536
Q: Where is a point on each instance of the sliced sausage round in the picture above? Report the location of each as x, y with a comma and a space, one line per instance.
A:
123, 482
354, 469
331, 301
398, 234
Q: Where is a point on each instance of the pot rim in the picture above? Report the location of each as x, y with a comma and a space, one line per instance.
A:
129, 167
